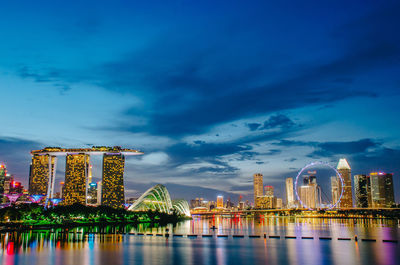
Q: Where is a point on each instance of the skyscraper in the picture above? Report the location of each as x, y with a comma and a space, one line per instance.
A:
308, 194
76, 172
345, 171
113, 180
361, 188
335, 189
220, 201
289, 192
42, 174
258, 187
3, 172
382, 193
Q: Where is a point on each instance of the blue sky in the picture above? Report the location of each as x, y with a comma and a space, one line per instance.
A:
212, 92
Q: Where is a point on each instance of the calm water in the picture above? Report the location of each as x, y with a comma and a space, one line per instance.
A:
113, 246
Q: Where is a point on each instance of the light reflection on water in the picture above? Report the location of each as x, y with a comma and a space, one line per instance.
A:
112, 245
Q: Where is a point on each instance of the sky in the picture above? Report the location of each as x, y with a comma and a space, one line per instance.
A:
211, 91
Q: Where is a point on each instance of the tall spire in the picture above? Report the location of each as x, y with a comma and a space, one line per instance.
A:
343, 164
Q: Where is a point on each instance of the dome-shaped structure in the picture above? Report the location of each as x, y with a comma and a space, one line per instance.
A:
157, 198
182, 207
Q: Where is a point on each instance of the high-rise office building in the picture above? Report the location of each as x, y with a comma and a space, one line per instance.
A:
76, 172
220, 201
269, 191
3, 173
335, 189
113, 180
308, 195
345, 171
382, 193
289, 193
258, 187
42, 174
279, 203
361, 190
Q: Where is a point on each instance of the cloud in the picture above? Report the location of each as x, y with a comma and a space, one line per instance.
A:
278, 120
155, 158
253, 126
344, 148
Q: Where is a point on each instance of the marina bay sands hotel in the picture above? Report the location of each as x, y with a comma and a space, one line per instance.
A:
43, 173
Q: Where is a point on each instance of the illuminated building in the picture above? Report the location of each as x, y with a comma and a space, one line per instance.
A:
42, 174
265, 202
279, 203
361, 190
3, 172
76, 172
335, 189
308, 195
382, 193
99, 190
220, 201
258, 187
113, 180
62, 185
269, 191
289, 192
345, 171
308, 192
43, 169
9, 179
157, 198
92, 194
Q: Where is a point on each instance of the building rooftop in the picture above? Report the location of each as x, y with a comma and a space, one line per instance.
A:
96, 150
343, 164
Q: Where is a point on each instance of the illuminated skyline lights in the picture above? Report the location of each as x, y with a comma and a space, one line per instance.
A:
258, 187
42, 173
362, 191
345, 171
3, 172
76, 172
289, 192
113, 180
318, 163
220, 201
382, 192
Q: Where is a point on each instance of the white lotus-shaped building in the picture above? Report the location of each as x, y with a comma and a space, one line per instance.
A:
157, 198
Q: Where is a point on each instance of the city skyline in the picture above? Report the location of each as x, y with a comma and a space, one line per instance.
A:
210, 102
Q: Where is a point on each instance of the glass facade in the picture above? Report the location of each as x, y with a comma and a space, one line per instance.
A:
382, 194
258, 187
361, 188
345, 171
157, 198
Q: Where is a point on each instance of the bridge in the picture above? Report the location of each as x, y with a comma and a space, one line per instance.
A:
342, 212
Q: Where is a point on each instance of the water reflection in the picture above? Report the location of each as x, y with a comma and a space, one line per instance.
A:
116, 244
